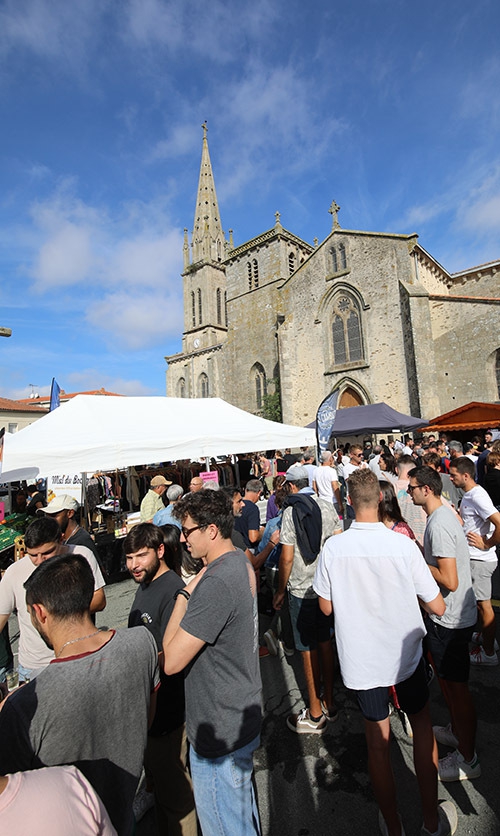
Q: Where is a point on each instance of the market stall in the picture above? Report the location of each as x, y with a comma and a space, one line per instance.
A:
469, 417
104, 437
372, 418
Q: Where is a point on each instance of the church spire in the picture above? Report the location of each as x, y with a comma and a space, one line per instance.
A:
208, 237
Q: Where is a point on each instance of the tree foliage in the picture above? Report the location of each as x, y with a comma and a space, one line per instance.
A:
271, 407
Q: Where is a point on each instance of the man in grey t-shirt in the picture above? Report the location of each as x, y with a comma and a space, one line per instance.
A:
89, 707
213, 633
448, 636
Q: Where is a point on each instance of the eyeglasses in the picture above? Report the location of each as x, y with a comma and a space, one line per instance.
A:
412, 488
187, 531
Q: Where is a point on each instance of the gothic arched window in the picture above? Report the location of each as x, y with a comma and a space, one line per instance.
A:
203, 386
200, 308
258, 377
347, 337
181, 388
291, 263
193, 309
249, 273
219, 306
333, 253
343, 260
225, 308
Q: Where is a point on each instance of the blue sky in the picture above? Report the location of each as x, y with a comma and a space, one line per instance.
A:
389, 107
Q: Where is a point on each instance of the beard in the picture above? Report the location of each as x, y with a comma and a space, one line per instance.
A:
149, 573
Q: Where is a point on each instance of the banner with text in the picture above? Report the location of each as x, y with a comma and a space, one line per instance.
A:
325, 417
69, 483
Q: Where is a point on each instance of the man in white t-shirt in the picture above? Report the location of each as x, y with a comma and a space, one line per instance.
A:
408, 446
42, 541
371, 578
326, 482
482, 529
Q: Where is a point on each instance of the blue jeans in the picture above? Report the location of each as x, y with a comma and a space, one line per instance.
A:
224, 793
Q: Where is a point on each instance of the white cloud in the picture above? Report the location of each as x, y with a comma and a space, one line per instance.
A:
213, 30
278, 114
65, 258
20, 393
57, 30
480, 208
183, 138
126, 265
80, 243
485, 216
479, 98
90, 379
137, 319
145, 260
155, 21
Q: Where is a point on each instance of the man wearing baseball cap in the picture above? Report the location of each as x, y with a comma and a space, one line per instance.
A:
153, 501
64, 509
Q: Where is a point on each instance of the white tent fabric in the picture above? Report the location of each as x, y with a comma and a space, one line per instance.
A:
92, 433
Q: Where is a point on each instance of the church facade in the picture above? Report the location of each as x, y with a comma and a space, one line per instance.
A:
372, 315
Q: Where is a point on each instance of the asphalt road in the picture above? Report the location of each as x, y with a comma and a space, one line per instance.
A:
318, 785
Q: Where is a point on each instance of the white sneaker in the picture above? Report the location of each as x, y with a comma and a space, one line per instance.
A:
454, 768
271, 642
302, 723
477, 638
444, 734
448, 820
479, 657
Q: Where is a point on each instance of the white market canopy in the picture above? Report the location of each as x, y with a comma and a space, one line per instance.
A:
91, 433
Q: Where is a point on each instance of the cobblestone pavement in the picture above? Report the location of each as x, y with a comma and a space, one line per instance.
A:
319, 785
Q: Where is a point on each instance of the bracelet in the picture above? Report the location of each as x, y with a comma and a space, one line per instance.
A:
185, 594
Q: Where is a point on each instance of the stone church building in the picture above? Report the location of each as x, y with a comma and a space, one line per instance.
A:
371, 314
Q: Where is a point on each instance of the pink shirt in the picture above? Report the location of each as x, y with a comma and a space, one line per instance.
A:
54, 801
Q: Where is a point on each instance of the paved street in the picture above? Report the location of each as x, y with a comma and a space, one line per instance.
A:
318, 785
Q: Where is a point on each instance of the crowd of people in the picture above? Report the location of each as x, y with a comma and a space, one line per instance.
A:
384, 554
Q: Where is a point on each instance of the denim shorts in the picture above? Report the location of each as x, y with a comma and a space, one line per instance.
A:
310, 626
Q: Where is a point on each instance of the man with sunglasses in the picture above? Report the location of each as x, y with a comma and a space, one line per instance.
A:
42, 541
213, 634
355, 461
448, 635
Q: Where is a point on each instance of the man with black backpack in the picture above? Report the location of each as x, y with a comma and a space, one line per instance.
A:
306, 523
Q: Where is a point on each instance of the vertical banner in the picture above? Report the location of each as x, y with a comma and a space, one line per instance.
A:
325, 417
55, 391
